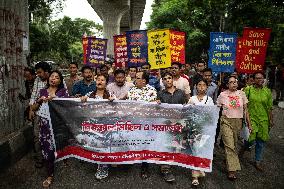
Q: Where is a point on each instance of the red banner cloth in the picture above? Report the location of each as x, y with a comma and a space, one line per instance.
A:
251, 50
177, 40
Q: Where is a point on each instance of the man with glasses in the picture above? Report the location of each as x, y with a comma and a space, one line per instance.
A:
143, 92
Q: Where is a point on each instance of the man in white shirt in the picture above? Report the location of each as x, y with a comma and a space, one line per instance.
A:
43, 70
180, 82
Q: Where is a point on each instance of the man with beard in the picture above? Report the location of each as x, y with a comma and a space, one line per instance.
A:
43, 70
170, 95
178, 81
120, 87
73, 69
81, 88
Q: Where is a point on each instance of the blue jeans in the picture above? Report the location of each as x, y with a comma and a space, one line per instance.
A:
259, 146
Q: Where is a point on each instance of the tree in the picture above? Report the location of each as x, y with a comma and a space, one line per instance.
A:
67, 34
59, 40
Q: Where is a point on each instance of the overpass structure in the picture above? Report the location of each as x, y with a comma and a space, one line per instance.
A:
118, 16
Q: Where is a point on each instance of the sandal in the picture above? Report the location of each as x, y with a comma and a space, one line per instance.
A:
195, 181
232, 176
47, 182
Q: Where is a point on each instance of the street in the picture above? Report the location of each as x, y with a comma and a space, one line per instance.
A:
78, 174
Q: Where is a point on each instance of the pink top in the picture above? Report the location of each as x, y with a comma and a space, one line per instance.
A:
232, 103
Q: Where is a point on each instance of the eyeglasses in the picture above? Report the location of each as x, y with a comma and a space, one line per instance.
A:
259, 78
138, 78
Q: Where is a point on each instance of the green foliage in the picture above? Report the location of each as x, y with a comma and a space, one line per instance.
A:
40, 10
61, 39
200, 17
58, 40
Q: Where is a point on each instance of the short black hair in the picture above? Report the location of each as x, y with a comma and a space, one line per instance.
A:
263, 74
145, 76
177, 63
132, 67
75, 63
61, 84
86, 68
103, 66
207, 70
31, 70
119, 71
202, 79
164, 74
146, 64
201, 62
44, 66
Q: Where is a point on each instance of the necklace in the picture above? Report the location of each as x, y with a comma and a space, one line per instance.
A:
199, 98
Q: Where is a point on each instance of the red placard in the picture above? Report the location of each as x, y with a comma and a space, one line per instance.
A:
120, 50
251, 50
177, 40
85, 45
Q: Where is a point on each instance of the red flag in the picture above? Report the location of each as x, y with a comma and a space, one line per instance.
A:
177, 40
251, 50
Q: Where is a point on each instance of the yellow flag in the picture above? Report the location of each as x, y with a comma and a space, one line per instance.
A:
159, 49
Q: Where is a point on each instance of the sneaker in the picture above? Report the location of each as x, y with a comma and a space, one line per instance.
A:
102, 172
168, 176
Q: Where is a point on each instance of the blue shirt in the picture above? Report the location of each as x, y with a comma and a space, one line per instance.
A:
82, 88
154, 82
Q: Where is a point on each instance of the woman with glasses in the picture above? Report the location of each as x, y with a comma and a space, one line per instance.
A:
260, 110
234, 104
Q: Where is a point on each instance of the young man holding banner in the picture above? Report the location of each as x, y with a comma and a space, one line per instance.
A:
170, 95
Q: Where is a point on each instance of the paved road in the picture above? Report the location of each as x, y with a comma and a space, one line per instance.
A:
81, 174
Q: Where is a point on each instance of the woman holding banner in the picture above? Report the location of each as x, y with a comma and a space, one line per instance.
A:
234, 104
260, 110
100, 93
54, 88
200, 99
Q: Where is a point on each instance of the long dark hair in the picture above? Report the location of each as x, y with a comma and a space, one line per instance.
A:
61, 84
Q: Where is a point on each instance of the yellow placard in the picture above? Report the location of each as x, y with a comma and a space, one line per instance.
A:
159, 51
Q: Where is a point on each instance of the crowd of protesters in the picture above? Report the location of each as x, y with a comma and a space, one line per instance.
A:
240, 97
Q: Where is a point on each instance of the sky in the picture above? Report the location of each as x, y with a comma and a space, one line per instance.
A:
82, 9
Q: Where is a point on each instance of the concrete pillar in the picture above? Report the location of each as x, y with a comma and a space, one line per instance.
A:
111, 12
